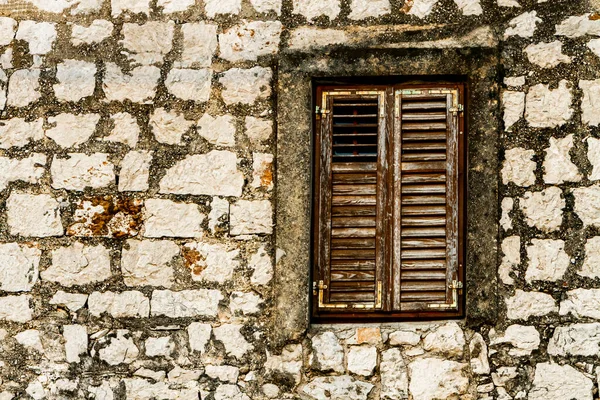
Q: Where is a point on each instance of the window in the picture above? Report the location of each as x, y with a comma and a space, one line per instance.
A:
388, 217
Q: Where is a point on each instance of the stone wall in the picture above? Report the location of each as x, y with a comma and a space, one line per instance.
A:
138, 255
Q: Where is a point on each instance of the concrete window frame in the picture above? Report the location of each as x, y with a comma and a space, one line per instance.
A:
294, 160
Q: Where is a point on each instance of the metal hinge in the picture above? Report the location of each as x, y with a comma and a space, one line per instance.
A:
321, 111
457, 109
456, 287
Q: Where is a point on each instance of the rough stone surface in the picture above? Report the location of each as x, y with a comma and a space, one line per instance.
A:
79, 171
289, 362
523, 339
76, 342
186, 303
558, 167
212, 262
527, 304
543, 210
518, 167
131, 6
262, 171
172, 6
591, 263
224, 373
215, 7
235, 343
250, 40
15, 308
96, 32
244, 303
546, 55
72, 301
128, 304
447, 340
169, 126
23, 88
587, 204
121, 349
262, 267
264, 6
246, 85
548, 108
337, 387
328, 353
511, 248
159, 347
17, 132
479, 355
560, 382
78, 265
432, 378
198, 336
135, 171
547, 260
33, 215
126, 129
524, 25
189, 84
166, 218
469, 7
507, 206
199, 44
146, 262
394, 375
590, 102
219, 215
251, 217
362, 9
7, 30
258, 130
514, 107
312, 9
39, 35
404, 337
362, 360
219, 130
70, 130
76, 80
582, 303
19, 267
148, 43
578, 25
138, 85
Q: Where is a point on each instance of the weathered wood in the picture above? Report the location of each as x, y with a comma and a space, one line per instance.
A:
423, 199
354, 200
341, 189
353, 243
354, 167
343, 211
338, 222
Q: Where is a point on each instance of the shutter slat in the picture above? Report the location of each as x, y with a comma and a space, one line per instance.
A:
355, 179
354, 167
353, 243
423, 199
423, 188
352, 221
354, 200
354, 189
343, 211
423, 178
431, 166
424, 221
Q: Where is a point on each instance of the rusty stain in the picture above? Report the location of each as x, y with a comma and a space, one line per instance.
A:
100, 222
266, 177
193, 259
407, 6
594, 16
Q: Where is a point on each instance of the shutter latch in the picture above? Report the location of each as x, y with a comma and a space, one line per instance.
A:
457, 109
456, 286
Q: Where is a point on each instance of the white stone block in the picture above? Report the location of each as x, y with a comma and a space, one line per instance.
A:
544, 209
587, 204
529, 304
169, 126
30, 169
362, 9
33, 215
39, 35
594, 46
126, 129
224, 373
575, 340
432, 378
16, 132
263, 6
553, 381
139, 85
19, 266
447, 339
148, 43
23, 87
189, 84
362, 360
80, 171
394, 375
128, 304
523, 339
173, 6
211, 262
15, 308
166, 218
235, 343
518, 167
135, 171
308, 37
337, 387
246, 85
469, 7
478, 350
404, 338
133, 6
524, 25
230, 392
78, 265
186, 303
549, 108
219, 215
546, 55
590, 104
219, 130
558, 167
511, 248
72, 301
76, 342
591, 263
96, 32
289, 362
312, 9
262, 171
258, 130
506, 207
581, 303
578, 25
159, 347
251, 217
215, 7
328, 354
514, 107
199, 44
31, 340
7, 30
250, 40
515, 81
76, 80
547, 260
213, 174
508, 3
246, 303
146, 262
198, 336
420, 8
70, 130
121, 350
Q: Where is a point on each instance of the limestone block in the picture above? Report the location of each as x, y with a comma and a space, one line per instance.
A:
7, 30
23, 87
546, 55
250, 40
328, 353
518, 167
362, 9
591, 263
96, 32
148, 43
447, 339
76, 342
529, 304
78, 265
508, 3
139, 85
432, 378
159, 346
147, 262
547, 260
251, 217
39, 35
578, 25
33, 215
219, 130
366, 335
141, 389
516, 81
469, 7
106, 216
173, 6
199, 44
543, 209
169, 126
582, 303
70, 130
16, 132
478, 350
312, 9
186, 303
337, 387
511, 248
235, 343
421, 8
19, 266
135, 171
587, 204
594, 46
558, 167
35, 389
166, 218
575, 340
553, 381
262, 171
308, 37
394, 375
28, 170
198, 336
181, 376
262, 267
523, 339
126, 129
246, 85
590, 102
224, 373
219, 215
214, 174
289, 362
404, 338
524, 25
506, 207
102, 392
189, 84
15, 308
246, 303
76, 80
128, 304
215, 7
362, 360
121, 349
210, 262
80, 171
30, 339
263, 6
514, 106
548, 108
72, 301
258, 130
133, 6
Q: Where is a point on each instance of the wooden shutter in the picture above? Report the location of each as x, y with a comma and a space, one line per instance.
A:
351, 199
426, 257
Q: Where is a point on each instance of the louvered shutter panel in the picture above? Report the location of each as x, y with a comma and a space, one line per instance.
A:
426, 209
349, 240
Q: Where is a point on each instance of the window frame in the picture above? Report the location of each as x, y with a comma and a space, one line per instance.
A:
392, 88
